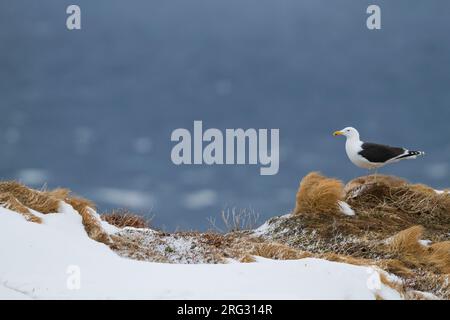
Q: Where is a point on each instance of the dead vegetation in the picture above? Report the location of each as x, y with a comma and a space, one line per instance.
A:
42, 201
234, 219
402, 205
278, 251
406, 246
19, 198
124, 218
8, 201
318, 194
407, 242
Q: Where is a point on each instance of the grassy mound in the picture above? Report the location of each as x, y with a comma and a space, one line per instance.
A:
393, 218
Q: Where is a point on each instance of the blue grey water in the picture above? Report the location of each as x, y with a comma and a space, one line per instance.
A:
93, 109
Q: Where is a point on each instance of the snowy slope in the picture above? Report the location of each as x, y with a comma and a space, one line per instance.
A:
35, 260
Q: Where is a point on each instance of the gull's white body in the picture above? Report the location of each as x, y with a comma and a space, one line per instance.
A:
353, 147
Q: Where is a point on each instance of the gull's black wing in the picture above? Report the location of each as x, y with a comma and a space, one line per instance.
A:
374, 152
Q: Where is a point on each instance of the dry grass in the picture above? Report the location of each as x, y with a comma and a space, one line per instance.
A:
8, 201
410, 203
397, 286
318, 194
19, 198
247, 259
91, 222
417, 200
331, 256
438, 284
396, 266
439, 256
234, 219
406, 243
278, 251
123, 218
37, 200
370, 180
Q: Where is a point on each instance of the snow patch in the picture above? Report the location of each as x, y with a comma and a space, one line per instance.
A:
61, 242
346, 209
425, 243
268, 226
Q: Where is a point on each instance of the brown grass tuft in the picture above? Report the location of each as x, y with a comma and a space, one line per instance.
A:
247, 259
19, 198
79, 203
406, 246
440, 256
406, 242
397, 286
395, 266
331, 256
36, 200
278, 251
123, 218
368, 180
318, 194
92, 224
398, 205
421, 188
58, 193
10, 202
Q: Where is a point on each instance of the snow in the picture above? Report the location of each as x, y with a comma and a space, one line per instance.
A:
262, 229
267, 227
346, 209
57, 260
425, 243
175, 248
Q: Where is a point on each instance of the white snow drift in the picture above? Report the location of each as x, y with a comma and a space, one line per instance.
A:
57, 260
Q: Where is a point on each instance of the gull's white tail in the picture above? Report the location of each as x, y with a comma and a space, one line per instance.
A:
410, 155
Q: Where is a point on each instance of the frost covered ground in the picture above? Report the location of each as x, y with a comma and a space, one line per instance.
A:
57, 260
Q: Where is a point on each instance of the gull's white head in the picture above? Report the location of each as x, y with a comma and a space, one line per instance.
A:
348, 132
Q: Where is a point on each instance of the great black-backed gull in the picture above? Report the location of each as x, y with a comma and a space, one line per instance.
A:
371, 155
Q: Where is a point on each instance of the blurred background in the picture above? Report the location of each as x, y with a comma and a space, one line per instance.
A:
93, 110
